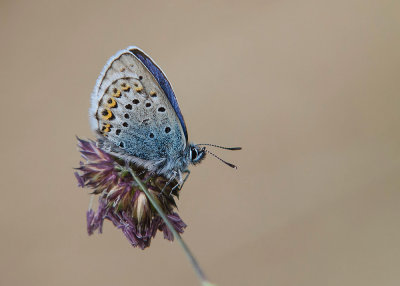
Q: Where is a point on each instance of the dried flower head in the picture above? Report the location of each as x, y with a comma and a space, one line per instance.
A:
121, 200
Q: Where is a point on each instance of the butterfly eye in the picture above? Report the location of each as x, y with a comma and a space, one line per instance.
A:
194, 154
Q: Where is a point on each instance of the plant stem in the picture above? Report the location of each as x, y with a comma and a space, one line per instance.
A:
177, 236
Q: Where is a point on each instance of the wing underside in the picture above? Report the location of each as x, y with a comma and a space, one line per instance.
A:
131, 109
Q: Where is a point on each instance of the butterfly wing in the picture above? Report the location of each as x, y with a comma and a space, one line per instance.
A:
131, 110
163, 82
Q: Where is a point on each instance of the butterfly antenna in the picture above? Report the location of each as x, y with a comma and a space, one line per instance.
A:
221, 147
229, 164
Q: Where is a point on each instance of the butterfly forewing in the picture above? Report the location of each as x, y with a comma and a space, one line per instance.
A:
163, 82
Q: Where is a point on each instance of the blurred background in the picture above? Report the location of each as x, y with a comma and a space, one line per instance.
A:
309, 89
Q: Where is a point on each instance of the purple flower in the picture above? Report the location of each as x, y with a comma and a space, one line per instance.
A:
120, 199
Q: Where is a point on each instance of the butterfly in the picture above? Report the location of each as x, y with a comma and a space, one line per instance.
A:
136, 117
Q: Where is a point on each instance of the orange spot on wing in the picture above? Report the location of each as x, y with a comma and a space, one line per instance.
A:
108, 115
106, 128
126, 87
117, 94
113, 103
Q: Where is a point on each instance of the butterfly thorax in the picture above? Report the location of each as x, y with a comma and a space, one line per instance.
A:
171, 164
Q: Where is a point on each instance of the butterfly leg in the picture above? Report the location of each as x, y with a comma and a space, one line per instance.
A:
187, 172
168, 182
142, 172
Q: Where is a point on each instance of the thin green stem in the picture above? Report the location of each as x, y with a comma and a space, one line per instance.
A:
177, 236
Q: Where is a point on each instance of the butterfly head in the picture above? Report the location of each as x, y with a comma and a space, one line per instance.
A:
196, 154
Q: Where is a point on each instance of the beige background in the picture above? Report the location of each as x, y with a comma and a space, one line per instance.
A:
310, 89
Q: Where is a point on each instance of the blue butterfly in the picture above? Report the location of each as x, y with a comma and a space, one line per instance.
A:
137, 118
